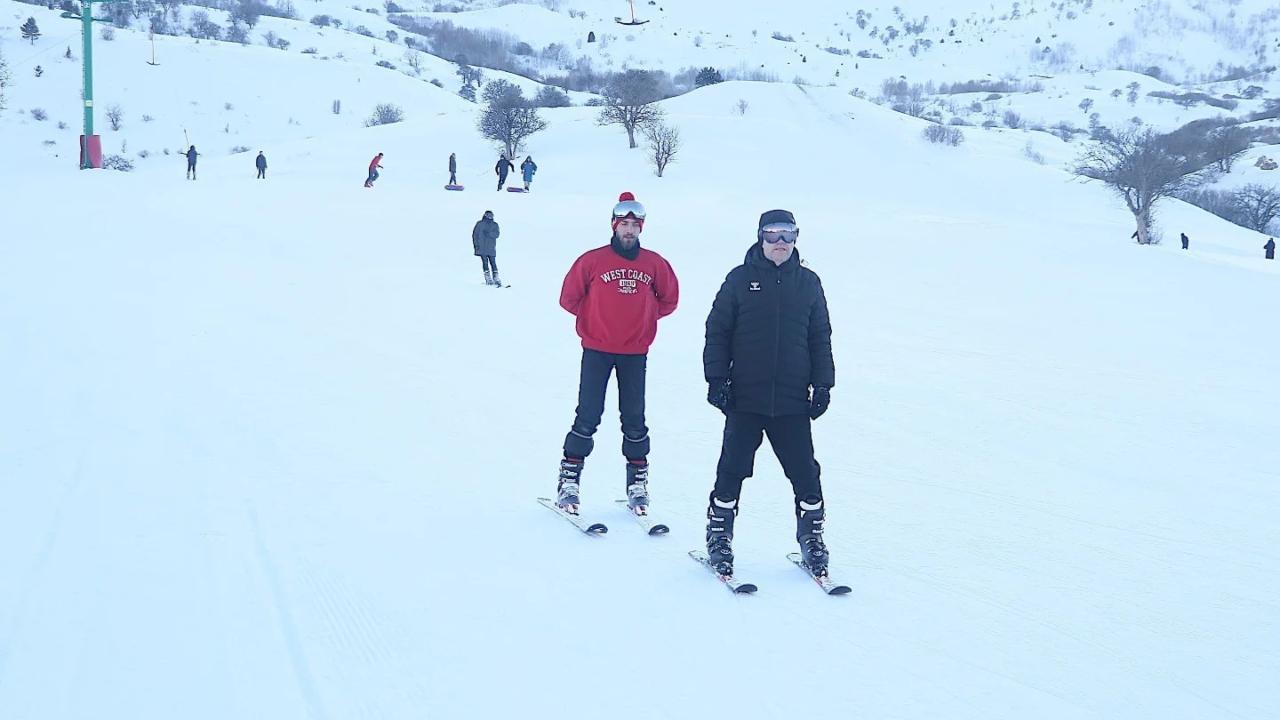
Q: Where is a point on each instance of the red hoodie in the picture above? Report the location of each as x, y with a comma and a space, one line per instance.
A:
375, 162
618, 301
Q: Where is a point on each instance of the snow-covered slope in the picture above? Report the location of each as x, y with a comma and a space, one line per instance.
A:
270, 448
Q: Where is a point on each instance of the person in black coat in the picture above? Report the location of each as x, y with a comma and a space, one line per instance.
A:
503, 167
1186, 241
1270, 247
769, 368
191, 162
484, 240
261, 163
453, 169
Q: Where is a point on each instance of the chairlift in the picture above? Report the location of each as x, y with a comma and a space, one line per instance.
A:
634, 21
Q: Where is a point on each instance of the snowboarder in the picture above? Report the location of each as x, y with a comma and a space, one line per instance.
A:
1186, 241
1270, 247
617, 292
528, 168
374, 165
484, 240
769, 369
261, 163
191, 162
453, 169
502, 168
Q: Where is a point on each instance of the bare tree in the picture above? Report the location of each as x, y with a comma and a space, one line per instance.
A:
1258, 205
508, 119
115, 115
1139, 166
629, 100
1226, 145
664, 143
4, 78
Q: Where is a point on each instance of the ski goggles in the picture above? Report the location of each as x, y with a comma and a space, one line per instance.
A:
779, 232
628, 208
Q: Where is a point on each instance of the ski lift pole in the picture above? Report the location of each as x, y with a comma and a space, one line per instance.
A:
86, 30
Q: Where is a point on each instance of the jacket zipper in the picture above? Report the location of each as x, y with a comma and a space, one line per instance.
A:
777, 340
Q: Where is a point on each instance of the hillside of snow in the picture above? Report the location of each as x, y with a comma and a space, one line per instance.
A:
271, 448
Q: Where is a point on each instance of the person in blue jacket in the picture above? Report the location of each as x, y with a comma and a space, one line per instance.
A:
528, 168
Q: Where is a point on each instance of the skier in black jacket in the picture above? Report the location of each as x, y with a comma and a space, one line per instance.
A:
769, 368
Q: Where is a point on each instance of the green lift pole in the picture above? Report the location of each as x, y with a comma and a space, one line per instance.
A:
86, 28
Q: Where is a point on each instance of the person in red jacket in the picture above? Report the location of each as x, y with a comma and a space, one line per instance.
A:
617, 292
374, 165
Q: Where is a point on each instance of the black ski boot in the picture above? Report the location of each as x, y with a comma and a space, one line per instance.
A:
567, 489
638, 487
720, 515
810, 517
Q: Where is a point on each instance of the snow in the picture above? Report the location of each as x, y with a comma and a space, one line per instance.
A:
271, 448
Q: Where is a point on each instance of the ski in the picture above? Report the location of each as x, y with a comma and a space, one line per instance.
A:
589, 528
829, 586
646, 521
735, 586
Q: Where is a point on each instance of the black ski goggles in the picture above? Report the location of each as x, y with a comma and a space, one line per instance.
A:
779, 232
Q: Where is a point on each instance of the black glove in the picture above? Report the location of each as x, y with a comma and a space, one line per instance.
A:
819, 401
719, 394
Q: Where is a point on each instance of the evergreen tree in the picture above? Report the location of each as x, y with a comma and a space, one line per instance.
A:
30, 31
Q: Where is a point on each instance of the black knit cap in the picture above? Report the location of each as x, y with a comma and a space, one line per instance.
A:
776, 216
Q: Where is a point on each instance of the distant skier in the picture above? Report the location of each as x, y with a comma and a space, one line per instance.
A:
769, 369
502, 168
1270, 247
261, 163
1186, 241
191, 162
453, 169
374, 165
617, 292
484, 240
528, 168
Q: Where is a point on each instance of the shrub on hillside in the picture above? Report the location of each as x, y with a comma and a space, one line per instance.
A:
943, 135
117, 162
385, 114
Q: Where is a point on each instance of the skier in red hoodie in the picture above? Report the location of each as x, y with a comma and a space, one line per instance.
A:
374, 165
617, 292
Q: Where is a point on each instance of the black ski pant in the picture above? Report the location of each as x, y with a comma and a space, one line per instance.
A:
790, 436
262, 173
453, 178
490, 263
592, 384
191, 170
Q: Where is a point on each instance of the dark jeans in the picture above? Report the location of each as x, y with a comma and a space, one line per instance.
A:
453, 178
502, 180
262, 173
373, 175
191, 169
791, 437
490, 263
592, 384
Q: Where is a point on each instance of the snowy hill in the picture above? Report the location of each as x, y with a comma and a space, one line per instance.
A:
271, 448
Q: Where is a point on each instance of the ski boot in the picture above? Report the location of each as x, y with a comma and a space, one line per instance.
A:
720, 515
496, 281
638, 486
810, 517
488, 279
567, 489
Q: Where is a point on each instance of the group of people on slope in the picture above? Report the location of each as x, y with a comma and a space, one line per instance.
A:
260, 162
502, 169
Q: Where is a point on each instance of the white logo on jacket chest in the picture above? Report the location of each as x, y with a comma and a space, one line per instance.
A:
754, 286
628, 280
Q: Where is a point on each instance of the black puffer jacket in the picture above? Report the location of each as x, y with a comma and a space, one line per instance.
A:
769, 333
484, 237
